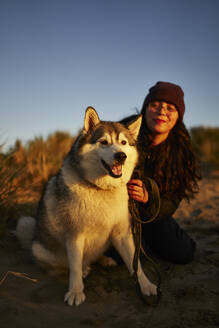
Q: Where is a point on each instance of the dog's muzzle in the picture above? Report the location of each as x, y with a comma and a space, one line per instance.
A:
115, 170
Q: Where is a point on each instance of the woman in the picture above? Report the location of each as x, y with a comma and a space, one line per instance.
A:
166, 156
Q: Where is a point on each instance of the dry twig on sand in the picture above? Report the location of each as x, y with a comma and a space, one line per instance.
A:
17, 274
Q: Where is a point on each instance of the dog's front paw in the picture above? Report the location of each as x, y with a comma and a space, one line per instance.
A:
147, 287
74, 298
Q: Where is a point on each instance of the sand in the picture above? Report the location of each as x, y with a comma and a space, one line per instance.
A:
190, 295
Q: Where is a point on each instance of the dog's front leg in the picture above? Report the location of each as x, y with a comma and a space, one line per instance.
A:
126, 248
75, 248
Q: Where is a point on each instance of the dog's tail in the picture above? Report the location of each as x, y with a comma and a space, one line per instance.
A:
25, 230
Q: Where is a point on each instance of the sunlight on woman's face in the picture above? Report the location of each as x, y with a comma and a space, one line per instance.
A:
161, 117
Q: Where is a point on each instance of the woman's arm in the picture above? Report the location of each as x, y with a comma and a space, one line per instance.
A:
168, 205
169, 202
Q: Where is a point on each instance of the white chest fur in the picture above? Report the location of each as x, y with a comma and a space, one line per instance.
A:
100, 207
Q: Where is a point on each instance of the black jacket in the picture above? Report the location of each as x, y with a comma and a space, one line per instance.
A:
169, 201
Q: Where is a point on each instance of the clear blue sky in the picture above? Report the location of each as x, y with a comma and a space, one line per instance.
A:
59, 56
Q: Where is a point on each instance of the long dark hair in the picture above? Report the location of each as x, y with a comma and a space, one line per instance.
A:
174, 163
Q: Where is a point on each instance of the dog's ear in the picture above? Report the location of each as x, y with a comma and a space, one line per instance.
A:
134, 127
91, 119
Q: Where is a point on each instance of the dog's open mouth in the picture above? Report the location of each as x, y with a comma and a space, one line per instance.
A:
114, 171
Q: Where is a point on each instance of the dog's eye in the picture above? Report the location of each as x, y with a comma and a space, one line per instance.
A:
123, 142
104, 142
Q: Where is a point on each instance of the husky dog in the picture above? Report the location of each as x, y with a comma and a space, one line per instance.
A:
84, 208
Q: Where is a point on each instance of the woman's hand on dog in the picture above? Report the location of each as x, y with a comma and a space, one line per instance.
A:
137, 190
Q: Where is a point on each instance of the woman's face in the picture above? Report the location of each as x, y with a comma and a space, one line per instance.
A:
161, 117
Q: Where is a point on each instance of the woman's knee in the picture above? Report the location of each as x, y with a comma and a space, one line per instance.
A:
185, 253
170, 242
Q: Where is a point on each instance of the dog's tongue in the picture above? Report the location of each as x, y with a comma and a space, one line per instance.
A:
116, 169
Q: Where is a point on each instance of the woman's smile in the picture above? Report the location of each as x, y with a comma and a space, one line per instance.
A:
159, 121
160, 118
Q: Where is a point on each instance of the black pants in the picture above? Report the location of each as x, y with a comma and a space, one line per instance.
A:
166, 239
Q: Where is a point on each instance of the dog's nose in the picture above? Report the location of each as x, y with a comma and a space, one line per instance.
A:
120, 157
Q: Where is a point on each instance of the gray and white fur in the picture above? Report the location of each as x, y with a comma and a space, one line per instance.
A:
84, 208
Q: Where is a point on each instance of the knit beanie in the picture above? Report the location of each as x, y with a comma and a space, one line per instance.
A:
168, 92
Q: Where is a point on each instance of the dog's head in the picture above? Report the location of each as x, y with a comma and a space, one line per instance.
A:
106, 151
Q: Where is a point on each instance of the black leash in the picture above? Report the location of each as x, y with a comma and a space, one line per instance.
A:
153, 190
